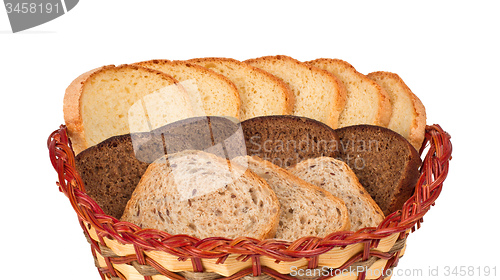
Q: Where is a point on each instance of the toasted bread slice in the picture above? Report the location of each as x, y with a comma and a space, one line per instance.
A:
306, 210
408, 112
261, 93
366, 103
216, 93
97, 103
318, 94
337, 178
202, 195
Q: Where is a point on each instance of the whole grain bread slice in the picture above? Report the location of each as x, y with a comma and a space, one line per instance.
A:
261, 93
366, 102
287, 140
112, 169
215, 93
408, 113
318, 94
202, 195
97, 103
386, 164
336, 177
306, 210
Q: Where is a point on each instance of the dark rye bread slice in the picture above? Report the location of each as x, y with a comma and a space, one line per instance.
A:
112, 169
386, 164
221, 136
287, 140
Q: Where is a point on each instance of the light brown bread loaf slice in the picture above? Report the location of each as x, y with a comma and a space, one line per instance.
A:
306, 210
261, 93
202, 195
97, 103
366, 103
318, 94
216, 93
337, 178
408, 113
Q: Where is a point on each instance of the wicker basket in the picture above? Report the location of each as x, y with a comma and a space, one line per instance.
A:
122, 250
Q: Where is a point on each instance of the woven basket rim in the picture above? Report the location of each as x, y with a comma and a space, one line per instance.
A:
433, 171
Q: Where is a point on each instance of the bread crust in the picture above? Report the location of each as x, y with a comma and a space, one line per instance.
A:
272, 226
417, 132
365, 196
338, 100
417, 129
384, 112
385, 106
71, 110
341, 99
72, 102
288, 95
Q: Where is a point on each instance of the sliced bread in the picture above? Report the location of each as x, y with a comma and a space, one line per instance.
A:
261, 93
112, 169
366, 103
306, 210
287, 140
217, 135
337, 178
318, 94
203, 195
408, 113
215, 93
386, 164
97, 103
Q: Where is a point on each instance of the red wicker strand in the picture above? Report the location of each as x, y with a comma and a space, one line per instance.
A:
433, 173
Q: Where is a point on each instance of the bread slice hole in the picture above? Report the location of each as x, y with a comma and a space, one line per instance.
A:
302, 219
254, 196
192, 226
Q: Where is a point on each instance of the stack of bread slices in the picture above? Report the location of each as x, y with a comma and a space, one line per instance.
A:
230, 188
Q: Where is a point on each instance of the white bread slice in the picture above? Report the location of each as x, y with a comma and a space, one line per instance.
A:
337, 178
318, 94
202, 195
217, 94
408, 112
306, 210
367, 102
97, 103
261, 93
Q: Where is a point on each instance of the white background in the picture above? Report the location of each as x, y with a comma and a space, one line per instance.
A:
446, 52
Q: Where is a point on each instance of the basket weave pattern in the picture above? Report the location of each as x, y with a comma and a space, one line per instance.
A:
122, 250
